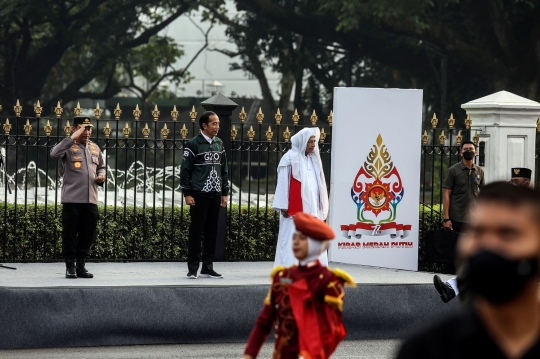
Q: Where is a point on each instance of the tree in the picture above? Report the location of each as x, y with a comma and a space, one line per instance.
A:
63, 50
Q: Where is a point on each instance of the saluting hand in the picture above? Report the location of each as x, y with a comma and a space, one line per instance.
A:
75, 136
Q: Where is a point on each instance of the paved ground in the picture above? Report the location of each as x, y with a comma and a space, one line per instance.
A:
364, 349
173, 274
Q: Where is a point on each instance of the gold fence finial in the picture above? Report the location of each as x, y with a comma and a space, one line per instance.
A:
107, 130
184, 132
314, 118
174, 113
78, 110
269, 134
260, 116
330, 117
193, 114
468, 122
459, 138
67, 129
234, 132
251, 133
242, 115
295, 117
48, 128
165, 131
451, 121
287, 134
126, 130
97, 111
476, 138
27, 128
538, 125
434, 121
137, 113
278, 116
442, 138
7, 126
425, 138
38, 109
58, 110
117, 111
18, 109
146, 131
323, 135
155, 113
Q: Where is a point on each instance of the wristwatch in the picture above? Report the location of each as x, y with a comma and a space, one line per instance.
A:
446, 219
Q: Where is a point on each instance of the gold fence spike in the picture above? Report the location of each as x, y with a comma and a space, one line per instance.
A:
323, 135
7, 127
242, 115
269, 134
193, 114
67, 128
137, 113
184, 131
38, 109
146, 131
107, 130
260, 116
126, 130
78, 110
155, 113
48, 128
174, 113
468, 122
330, 117
165, 131
251, 133
442, 138
58, 110
295, 117
476, 138
538, 125
459, 138
434, 121
313, 118
425, 138
0, 107
451, 121
98, 111
117, 111
18, 109
278, 116
234, 132
27, 128
287, 134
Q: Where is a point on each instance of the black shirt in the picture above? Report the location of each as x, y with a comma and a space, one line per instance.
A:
462, 336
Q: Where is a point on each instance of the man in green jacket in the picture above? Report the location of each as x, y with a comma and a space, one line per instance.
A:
205, 186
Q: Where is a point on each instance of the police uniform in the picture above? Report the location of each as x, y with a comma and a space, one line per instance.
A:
83, 163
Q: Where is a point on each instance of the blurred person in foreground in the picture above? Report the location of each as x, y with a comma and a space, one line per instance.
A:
498, 253
301, 187
306, 300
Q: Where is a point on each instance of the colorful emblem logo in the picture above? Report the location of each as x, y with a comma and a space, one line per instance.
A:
377, 191
77, 164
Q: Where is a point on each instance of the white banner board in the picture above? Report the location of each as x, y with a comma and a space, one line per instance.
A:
375, 177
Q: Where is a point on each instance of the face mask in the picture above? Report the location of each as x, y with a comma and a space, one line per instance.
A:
497, 278
468, 155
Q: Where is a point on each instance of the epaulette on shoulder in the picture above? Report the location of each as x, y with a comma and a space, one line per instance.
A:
275, 271
346, 277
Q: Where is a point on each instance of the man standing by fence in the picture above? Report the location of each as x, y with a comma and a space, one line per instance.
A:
205, 185
301, 187
84, 170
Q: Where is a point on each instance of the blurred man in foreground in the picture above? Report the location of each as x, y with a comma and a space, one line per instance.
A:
499, 254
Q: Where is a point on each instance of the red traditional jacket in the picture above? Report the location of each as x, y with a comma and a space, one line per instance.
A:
307, 302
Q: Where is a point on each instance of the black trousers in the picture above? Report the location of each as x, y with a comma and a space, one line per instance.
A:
203, 228
79, 222
457, 227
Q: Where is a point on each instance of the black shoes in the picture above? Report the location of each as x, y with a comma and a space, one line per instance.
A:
192, 275
210, 273
70, 269
445, 290
78, 271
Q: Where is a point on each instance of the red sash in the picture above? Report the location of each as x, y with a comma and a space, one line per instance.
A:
295, 196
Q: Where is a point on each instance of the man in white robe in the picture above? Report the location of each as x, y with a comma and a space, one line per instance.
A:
301, 187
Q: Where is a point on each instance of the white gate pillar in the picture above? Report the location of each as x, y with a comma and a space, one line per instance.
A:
507, 124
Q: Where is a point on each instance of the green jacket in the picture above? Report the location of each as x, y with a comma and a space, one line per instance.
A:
204, 168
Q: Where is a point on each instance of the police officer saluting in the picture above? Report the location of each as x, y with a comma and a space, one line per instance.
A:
84, 170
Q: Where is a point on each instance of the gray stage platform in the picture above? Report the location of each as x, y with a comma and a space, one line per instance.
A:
153, 303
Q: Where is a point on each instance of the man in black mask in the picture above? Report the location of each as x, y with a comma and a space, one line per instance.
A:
498, 253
